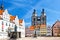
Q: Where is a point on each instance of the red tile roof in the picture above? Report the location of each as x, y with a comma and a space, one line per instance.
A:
32, 27
20, 21
1, 12
12, 18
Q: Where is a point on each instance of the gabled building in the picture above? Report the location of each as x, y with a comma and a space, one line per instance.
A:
29, 31
18, 29
12, 26
56, 28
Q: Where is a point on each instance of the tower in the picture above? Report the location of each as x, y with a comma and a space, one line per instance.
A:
43, 23
34, 18
2, 6
34, 21
43, 17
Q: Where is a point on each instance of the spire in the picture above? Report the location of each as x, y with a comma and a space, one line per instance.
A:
2, 6
34, 13
43, 13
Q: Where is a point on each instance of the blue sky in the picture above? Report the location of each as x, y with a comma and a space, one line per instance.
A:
24, 9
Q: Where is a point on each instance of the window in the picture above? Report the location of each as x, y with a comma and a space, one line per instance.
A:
54, 27
34, 19
6, 24
9, 24
38, 19
2, 22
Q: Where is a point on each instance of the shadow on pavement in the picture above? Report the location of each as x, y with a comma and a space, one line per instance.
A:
12, 39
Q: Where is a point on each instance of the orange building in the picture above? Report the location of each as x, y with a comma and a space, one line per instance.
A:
29, 31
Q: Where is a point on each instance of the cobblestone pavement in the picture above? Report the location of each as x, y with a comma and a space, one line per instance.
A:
38, 38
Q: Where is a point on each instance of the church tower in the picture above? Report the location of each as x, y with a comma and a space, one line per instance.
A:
34, 18
43, 17
43, 23
2, 6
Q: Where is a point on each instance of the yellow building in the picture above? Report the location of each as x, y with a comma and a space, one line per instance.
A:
43, 30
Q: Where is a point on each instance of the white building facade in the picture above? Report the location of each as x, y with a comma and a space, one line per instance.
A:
49, 31
6, 25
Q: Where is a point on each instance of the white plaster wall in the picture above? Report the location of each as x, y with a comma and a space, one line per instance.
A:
12, 25
23, 29
6, 20
6, 15
17, 21
0, 25
49, 31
